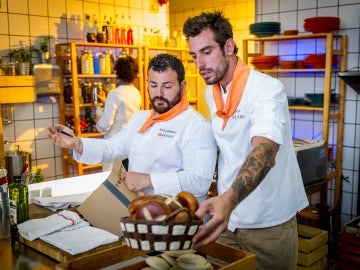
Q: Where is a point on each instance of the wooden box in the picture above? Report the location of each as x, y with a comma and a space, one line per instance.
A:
231, 259
348, 251
312, 248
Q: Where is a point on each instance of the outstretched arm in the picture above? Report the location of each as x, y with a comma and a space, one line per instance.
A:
257, 165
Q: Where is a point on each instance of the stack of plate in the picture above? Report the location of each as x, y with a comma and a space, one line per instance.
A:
265, 29
318, 61
265, 62
322, 24
317, 100
315, 60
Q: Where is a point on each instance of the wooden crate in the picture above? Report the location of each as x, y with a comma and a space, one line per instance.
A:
348, 251
319, 265
234, 259
312, 248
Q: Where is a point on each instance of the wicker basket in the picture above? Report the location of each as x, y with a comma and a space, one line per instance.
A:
160, 235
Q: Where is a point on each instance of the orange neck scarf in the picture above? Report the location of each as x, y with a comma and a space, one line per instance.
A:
240, 77
170, 114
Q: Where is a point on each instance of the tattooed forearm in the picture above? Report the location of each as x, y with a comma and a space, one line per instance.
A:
255, 168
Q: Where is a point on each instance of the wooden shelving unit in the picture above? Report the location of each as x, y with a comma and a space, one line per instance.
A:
335, 45
76, 108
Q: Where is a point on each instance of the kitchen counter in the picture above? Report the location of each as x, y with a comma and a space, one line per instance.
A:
20, 256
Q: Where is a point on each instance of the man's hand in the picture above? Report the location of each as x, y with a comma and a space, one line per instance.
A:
102, 96
66, 139
219, 208
137, 181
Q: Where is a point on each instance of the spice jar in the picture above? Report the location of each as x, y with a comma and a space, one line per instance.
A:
101, 37
68, 96
11, 69
66, 62
95, 91
86, 93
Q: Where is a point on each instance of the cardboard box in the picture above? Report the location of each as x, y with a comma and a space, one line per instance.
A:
109, 202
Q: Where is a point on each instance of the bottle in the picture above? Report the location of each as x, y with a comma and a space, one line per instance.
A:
4, 205
87, 27
85, 63
112, 62
18, 200
96, 64
91, 62
107, 64
130, 39
102, 64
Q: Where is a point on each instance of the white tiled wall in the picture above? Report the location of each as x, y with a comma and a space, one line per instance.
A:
291, 14
27, 22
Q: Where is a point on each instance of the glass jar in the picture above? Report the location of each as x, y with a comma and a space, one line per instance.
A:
66, 62
68, 96
95, 91
86, 93
101, 37
11, 69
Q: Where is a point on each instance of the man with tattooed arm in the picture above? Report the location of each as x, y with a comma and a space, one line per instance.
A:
259, 181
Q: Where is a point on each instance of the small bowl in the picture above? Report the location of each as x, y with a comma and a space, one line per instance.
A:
288, 64
300, 64
290, 32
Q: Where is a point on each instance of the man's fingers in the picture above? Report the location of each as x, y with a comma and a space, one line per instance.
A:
206, 236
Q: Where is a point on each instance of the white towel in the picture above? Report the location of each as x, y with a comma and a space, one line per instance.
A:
61, 202
80, 240
34, 228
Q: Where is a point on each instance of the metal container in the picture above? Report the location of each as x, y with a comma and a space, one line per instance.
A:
14, 162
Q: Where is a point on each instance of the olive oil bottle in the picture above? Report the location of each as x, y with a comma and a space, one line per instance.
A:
18, 201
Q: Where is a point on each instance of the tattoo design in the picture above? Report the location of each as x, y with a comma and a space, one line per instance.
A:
254, 169
79, 143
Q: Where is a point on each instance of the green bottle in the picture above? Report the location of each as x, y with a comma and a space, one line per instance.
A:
18, 201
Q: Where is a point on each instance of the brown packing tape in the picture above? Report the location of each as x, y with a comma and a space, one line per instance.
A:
109, 202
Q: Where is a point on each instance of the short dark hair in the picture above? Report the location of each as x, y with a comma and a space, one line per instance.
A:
215, 21
126, 68
163, 61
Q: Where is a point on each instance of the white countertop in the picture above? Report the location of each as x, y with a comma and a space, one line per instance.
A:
71, 185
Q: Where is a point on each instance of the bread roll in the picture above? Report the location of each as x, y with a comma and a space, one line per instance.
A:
153, 210
188, 200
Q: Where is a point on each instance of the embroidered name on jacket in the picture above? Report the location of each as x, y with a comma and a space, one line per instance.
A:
237, 115
166, 133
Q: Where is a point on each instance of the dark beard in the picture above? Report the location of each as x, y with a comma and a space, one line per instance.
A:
219, 73
170, 104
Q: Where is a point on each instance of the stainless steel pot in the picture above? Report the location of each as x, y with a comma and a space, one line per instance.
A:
14, 162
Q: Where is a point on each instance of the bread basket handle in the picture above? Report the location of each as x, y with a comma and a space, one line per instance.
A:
174, 213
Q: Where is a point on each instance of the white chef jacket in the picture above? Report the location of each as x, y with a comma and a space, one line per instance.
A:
121, 103
263, 111
179, 154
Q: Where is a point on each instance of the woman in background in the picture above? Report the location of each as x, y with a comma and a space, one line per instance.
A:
121, 102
